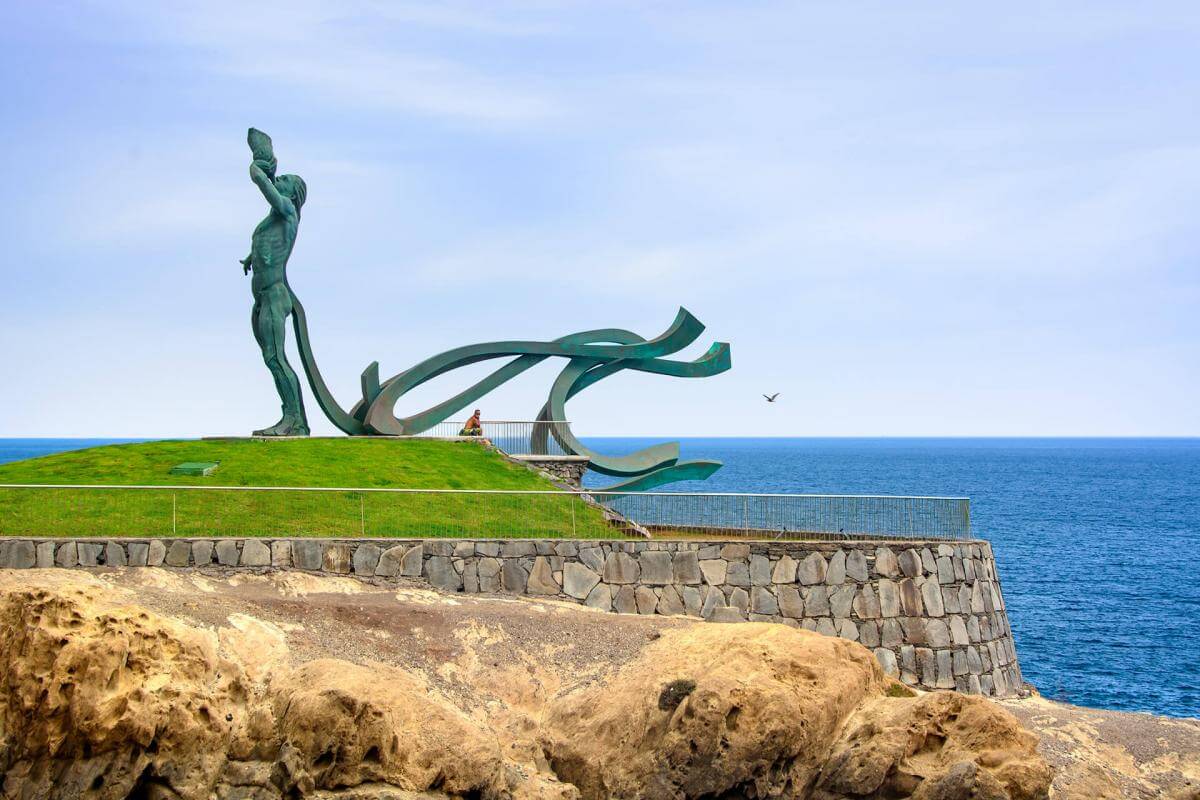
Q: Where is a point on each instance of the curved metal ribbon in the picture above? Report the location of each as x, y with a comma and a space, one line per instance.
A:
593, 355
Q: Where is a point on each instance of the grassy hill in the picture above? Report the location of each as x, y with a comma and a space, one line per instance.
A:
337, 463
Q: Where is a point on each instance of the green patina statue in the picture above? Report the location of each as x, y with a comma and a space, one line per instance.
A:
270, 247
591, 356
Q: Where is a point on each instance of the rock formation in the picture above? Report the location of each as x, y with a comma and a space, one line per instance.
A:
108, 695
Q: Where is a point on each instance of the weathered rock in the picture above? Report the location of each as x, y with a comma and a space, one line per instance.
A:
366, 558
816, 601
647, 600
885, 563
812, 569
336, 558
440, 572
714, 598
307, 554
693, 600
735, 552
727, 614
714, 571
45, 555
578, 580
836, 573
390, 561
541, 578
139, 553
625, 600
738, 574
255, 554
281, 553
931, 597
623, 568
841, 599
740, 598
910, 562
856, 566
910, 598
866, 604
655, 567
19, 554
790, 604
762, 601
178, 554
488, 549
156, 553
670, 602
600, 597
202, 552
785, 570
489, 570
685, 568
760, 570
945, 570
228, 554
513, 576
412, 563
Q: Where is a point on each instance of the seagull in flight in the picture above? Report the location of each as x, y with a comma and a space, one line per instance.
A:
771, 398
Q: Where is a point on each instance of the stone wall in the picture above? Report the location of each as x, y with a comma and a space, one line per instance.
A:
566, 470
932, 611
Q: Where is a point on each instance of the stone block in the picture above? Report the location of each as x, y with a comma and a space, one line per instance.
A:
593, 558
785, 570
255, 553
866, 604
685, 568
89, 554
413, 562
439, 547
868, 633
841, 599
887, 660
281, 553
856, 566
727, 614
737, 573
517, 549
889, 598
910, 599
960, 663
825, 627
513, 576
927, 666
945, 570
647, 600
178, 554
440, 572
307, 554
470, 577
910, 562
816, 601
931, 598
714, 571
958, 632
600, 597
760, 571
336, 558
790, 604
366, 558
928, 564
762, 601
740, 598
625, 600
390, 561
670, 602
156, 554
891, 634
709, 552
846, 629
623, 568
835, 575
114, 555
655, 568
202, 553
885, 563
578, 580
227, 553
693, 600
937, 633
490, 549
489, 570
945, 670
21, 554
812, 569
45, 555
735, 552
714, 598
139, 554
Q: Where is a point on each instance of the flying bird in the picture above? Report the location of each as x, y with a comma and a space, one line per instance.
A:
771, 398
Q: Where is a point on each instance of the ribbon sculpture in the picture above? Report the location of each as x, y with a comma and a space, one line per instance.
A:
592, 355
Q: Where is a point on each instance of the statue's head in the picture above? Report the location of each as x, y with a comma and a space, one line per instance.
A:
293, 188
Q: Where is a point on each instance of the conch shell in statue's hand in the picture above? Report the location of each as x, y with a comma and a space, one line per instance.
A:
262, 150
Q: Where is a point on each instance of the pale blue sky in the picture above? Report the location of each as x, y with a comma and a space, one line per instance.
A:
909, 219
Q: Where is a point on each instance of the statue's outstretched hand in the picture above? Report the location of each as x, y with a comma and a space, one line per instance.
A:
245, 262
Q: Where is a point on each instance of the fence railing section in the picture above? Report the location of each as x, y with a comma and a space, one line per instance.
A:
515, 437
204, 511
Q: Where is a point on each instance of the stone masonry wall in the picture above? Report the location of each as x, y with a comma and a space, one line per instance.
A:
932, 612
567, 470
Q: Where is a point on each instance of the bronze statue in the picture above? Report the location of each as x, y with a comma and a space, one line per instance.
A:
270, 247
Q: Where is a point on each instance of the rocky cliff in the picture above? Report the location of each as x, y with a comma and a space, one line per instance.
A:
148, 684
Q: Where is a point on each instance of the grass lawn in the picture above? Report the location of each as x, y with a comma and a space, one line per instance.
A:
343, 462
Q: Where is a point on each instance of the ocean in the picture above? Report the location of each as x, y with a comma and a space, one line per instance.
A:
1097, 540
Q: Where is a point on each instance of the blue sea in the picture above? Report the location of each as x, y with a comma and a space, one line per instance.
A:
1097, 540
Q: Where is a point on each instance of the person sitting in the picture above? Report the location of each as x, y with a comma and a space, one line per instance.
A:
473, 427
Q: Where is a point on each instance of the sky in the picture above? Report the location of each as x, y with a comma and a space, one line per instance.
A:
918, 219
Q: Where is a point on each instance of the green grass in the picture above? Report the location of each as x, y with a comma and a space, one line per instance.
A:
353, 463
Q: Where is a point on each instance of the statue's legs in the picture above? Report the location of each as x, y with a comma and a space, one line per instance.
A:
269, 318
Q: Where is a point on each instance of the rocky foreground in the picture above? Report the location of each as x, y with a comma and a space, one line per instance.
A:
155, 684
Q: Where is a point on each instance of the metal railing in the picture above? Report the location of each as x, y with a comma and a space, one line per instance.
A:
214, 511
515, 437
